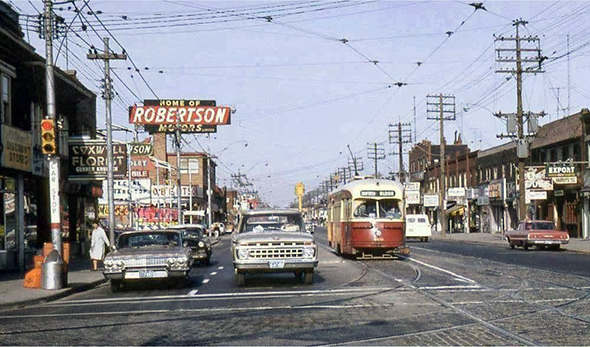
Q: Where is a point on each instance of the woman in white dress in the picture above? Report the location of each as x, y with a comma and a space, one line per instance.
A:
97, 245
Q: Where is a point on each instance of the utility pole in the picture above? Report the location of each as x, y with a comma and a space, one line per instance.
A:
515, 125
179, 191
53, 158
108, 96
400, 134
443, 108
376, 152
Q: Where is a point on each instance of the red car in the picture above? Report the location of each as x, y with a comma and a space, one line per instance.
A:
538, 233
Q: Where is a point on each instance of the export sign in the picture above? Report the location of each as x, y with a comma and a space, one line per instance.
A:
88, 159
560, 170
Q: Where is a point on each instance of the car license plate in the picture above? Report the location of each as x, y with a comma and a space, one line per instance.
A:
549, 242
276, 264
146, 274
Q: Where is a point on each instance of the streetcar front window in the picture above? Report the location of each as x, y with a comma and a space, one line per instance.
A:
389, 209
366, 209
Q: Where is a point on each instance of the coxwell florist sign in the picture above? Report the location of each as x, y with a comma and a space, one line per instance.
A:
88, 159
179, 113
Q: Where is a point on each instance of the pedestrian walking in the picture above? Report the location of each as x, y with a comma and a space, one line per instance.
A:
98, 242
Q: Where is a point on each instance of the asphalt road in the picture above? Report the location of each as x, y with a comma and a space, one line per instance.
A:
443, 294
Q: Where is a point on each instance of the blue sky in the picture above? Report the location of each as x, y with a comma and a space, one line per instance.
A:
309, 78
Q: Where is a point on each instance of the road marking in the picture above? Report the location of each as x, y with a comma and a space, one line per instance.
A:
457, 277
206, 280
193, 292
214, 273
451, 287
220, 268
237, 296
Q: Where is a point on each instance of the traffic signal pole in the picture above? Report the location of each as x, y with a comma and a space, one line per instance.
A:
53, 158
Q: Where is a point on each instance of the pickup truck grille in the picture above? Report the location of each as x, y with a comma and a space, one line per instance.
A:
273, 253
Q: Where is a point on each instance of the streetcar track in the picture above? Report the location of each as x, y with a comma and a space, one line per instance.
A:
461, 311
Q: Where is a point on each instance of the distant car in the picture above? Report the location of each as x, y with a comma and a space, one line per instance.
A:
148, 255
195, 237
418, 227
273, 241
540, 233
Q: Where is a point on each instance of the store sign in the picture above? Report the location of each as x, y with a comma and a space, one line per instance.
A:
565, 180
412, 197
413, 186
535, 195
88, 159
496, 189
483, 200
17, 150
561, 170
183, 128
534, 178
431, 200
140, 148
456, 192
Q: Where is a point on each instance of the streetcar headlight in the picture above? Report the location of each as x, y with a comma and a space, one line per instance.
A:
378, 232
243, 253
201, 244
308, 252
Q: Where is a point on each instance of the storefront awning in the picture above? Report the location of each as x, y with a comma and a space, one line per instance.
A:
456, 210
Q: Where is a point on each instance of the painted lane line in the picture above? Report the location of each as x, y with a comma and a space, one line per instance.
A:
220, 268
273, 294
214, 273
459, 277
206, 280
193, 292
452, 287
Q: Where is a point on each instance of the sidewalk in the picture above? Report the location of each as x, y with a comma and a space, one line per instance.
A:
80, 278
575, 244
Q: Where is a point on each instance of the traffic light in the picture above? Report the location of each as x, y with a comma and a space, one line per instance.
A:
48, 144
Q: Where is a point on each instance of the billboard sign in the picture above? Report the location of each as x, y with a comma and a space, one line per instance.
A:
88, 159
183, 128
458, 192
185, 113
412, 197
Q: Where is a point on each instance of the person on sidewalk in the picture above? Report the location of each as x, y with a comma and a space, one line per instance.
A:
98, 242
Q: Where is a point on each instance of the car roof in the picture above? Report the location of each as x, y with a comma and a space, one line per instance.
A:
416, 215
270, 211
150, 231
186, 226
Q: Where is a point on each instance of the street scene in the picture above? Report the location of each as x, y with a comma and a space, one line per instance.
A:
331, 172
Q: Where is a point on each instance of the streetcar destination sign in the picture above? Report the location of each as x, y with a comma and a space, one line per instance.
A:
378, 193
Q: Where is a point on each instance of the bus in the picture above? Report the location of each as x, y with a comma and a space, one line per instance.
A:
366, 219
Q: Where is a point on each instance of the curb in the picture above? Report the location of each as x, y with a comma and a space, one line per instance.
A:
565, 248
60, 294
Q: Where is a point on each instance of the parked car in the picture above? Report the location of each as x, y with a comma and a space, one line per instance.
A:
195, 237
148, 255
418, 227
273, 241
540, 233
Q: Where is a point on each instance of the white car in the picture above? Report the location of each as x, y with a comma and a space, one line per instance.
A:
418, 227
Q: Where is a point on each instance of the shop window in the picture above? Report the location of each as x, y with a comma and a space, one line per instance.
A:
5, 86
8, 236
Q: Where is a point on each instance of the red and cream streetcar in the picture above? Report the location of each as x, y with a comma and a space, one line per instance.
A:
366, 219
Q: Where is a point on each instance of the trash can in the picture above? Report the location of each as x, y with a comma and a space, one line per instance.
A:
52, 271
